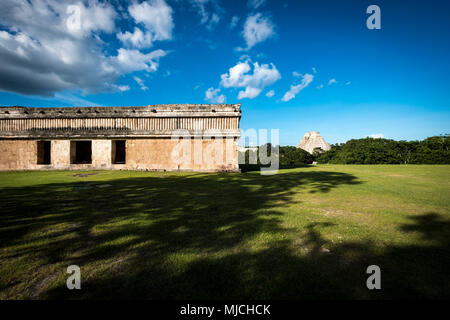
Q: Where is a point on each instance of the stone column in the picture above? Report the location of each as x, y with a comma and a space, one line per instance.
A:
101, 153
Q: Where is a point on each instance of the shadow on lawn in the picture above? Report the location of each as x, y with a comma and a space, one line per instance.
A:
187, 237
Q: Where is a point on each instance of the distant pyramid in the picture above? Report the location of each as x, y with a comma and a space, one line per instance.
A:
312, 140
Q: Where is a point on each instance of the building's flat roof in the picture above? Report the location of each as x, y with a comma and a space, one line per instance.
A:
158, 110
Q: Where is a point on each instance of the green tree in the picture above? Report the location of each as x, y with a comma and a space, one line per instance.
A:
433, 150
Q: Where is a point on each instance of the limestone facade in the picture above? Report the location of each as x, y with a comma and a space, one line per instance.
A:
161, 137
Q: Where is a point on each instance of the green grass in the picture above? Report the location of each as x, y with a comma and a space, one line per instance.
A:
304, 233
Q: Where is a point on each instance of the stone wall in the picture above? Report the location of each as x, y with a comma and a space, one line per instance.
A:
18, 154
189, 154
60, 153
101, 153
186, 154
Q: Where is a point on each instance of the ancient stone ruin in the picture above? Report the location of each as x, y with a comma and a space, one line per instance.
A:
312, 140
200, 137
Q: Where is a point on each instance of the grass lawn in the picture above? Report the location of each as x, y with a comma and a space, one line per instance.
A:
304, 233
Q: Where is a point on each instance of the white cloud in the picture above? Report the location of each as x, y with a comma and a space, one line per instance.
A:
332, 81
296, 74
128, 60
348, 83
209, 11
377, 136
270, 94
320, 86
256, 3
95, 16
140, 82
213, 96
306, 80
122, 88
156, 15
136, 39
244, 57
43, 51
156, 18
235, 76
239, 77
234, 22
257, 28
314, 70
249, 92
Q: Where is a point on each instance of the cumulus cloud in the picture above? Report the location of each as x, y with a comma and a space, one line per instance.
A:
306, 80
156, 15
296, 74
136, 39
213, 96
45, 49
249, 92
377, 136
270, 94
314, 69
156, 18
257, 28
95, 16
239, 76
129, 60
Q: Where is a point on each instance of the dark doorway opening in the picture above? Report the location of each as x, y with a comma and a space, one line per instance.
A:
118, 149
81, 152
43, 152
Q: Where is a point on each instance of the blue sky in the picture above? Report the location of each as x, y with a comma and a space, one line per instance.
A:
351, 82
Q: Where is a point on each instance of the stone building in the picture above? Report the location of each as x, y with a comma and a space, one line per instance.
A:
312, 140
196, 137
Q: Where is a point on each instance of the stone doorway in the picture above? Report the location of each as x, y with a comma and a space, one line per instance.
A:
118, 151
43, 152
81, 152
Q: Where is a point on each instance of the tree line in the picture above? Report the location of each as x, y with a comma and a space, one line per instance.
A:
433, 150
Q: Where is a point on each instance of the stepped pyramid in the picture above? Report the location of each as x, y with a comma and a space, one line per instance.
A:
312, 140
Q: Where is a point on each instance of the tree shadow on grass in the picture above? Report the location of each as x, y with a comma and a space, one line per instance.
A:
257, 167
205, 236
